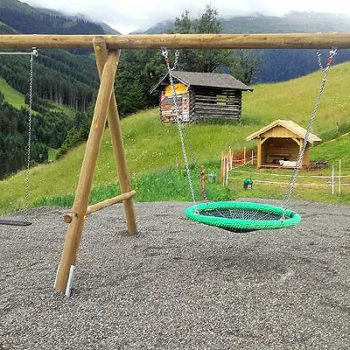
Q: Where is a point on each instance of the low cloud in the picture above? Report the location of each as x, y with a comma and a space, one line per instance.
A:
131, 15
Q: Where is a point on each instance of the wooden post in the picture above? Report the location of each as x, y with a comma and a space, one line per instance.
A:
203, 180
339, 182
87, 171
332, 179
222, 167
244, 154
117, 140
231, 157
227, 172
258, 153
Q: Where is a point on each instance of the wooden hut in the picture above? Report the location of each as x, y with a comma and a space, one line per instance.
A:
279, 143
201, 96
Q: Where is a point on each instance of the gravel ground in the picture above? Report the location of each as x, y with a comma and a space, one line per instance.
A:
178, 284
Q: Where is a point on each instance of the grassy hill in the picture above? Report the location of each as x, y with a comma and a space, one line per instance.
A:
152, 148
11, 95
295, 100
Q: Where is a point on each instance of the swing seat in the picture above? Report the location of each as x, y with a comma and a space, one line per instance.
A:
242, 216
14, 222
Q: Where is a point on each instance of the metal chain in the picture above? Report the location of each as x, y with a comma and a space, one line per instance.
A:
165, 53
293, 179
332, 53
33, 54
194, 160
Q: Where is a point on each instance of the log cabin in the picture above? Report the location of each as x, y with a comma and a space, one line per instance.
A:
201, 96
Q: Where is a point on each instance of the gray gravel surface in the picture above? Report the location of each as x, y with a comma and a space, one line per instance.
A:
178, 284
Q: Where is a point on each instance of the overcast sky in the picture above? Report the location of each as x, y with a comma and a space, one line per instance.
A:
129, 15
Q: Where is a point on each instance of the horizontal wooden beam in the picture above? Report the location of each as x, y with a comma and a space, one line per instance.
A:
101, 205
181, 41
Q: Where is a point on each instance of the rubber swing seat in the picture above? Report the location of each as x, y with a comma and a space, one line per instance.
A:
242, 216
14, 222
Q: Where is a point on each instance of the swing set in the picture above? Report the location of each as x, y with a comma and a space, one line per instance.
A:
234, 216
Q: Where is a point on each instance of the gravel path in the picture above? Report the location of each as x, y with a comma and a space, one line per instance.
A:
178, 284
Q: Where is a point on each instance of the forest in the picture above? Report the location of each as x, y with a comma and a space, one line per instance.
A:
50, 129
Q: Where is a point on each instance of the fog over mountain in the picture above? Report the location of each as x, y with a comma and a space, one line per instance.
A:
134, 15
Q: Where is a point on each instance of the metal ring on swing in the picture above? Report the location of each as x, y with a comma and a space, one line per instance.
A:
242, 216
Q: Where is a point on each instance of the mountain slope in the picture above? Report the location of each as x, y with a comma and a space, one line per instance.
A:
292, 22
153, 147
281, 65
60, 78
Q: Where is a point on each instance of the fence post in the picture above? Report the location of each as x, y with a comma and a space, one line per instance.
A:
222, 167
226, 179
332, 179
339, 183
203, 178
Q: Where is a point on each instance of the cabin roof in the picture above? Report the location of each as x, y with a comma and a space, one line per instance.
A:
288, 124
214, 80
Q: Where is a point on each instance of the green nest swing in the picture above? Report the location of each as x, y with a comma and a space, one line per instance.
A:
242, 216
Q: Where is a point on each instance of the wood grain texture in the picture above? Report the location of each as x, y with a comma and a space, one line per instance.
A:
181, 41
75, 228
117, 140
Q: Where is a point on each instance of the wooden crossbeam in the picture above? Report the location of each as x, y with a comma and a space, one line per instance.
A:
184, 41
101, 205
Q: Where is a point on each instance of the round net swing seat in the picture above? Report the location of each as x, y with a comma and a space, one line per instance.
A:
242, 216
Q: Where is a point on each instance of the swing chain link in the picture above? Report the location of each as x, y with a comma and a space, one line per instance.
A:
298, 165
165, 53
33, 54
332, 53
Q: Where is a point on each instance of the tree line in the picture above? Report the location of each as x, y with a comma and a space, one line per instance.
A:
50, 129
59, 76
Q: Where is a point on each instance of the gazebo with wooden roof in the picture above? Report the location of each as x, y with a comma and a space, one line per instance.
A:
281, 141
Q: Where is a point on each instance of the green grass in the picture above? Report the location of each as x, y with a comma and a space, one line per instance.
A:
166, 185
11, 95
308, 186
52, 154
295, 100
152, 148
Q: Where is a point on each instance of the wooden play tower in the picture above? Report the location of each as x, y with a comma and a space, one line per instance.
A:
107, 50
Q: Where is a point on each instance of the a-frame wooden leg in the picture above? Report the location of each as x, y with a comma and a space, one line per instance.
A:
72, 239
117, 140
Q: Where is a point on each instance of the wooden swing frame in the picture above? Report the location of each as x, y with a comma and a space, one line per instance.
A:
107, 50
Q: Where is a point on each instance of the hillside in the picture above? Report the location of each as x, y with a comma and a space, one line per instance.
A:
153, 148
64, 86
292, 22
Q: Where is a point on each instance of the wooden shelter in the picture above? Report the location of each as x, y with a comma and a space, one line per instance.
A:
201, 96
279, 143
